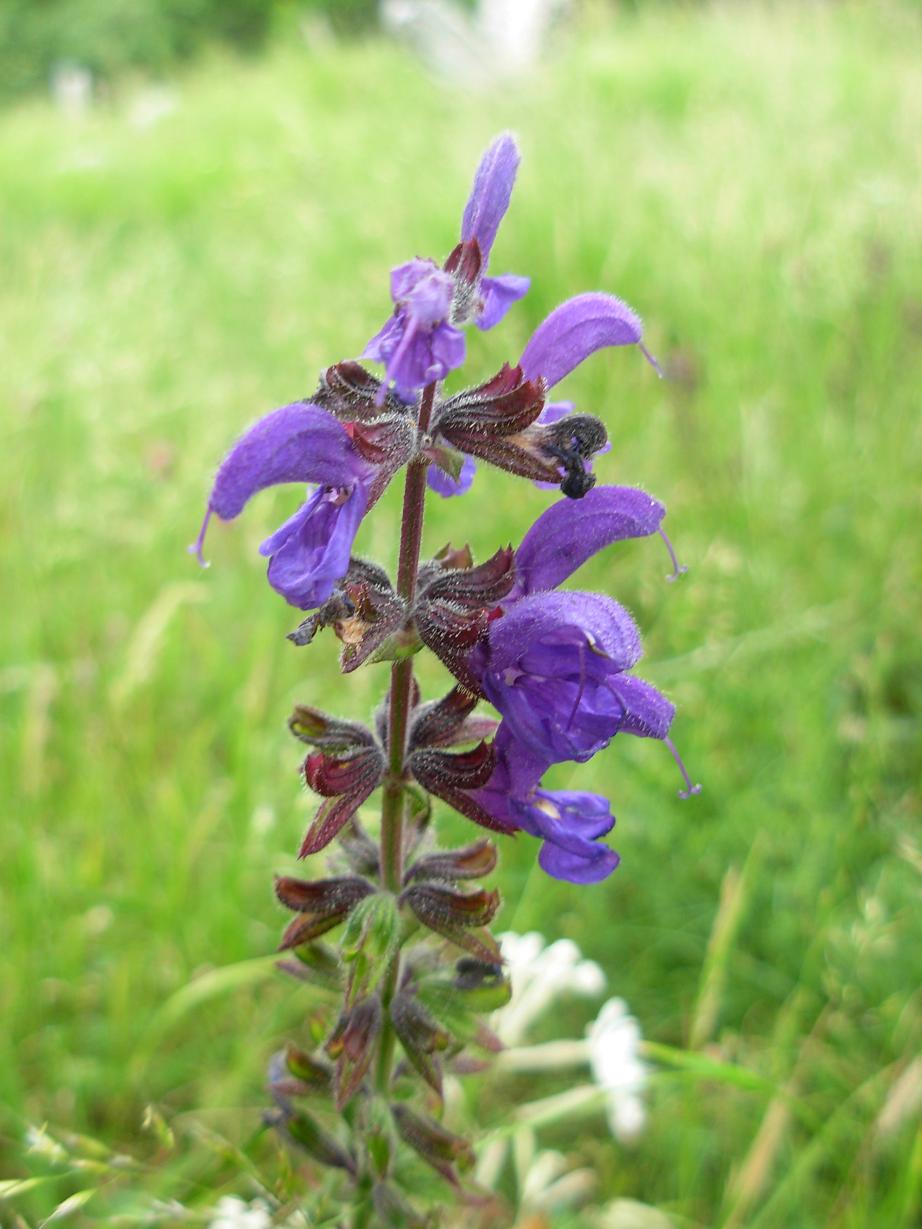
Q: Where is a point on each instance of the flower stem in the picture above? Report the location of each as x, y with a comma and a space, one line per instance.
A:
392, 806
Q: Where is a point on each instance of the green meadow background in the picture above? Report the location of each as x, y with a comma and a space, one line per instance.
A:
748, 178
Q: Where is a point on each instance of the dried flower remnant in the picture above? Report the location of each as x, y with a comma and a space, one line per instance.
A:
415, 964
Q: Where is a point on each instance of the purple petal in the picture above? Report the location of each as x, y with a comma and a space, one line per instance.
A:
297, 443
499, 293
424, 289
490, 193
557, 619
415, 355
648, 713
311, 551
572, 531
576, 329
443, 484
576, 868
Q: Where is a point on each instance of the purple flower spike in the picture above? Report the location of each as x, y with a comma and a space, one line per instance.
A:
576, 329
418, 344
571, 531
298, 443
491, 193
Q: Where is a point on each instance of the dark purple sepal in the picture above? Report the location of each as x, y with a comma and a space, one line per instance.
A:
372, 629
474, 861
421, 1037
465, 261
505, 404
318, 729
570, 532
452, 632
460, 917
350, 393
321, 904
437, 1146
475, 588
452, 776
437, 723
454, 609
576, 329
302, 1129
345, 783
387, 444
352, 1045
323, 897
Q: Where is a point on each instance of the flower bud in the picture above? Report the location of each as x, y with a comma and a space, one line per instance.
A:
437, 1146
345, 782
321, 904
448, 722
420, 1037
304, 1130
369, 943
472, 862
352, 1044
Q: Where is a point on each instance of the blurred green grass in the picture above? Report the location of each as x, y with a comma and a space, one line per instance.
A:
748, 179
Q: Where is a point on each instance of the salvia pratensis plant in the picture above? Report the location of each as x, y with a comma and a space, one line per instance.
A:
416, 965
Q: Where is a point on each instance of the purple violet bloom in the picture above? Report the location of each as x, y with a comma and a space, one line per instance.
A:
485, 209
555, 664
298, 443
422, 341
418, 344
556, 668
569, 822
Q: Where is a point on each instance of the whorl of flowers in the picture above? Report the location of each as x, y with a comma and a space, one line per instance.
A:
556, 664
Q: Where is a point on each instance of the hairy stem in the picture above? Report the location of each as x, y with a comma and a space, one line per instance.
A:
392, 807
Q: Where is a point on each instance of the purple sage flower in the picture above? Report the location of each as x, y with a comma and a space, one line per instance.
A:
555, 664
418, 344
298, 443
485, 209
556, 669
423, 341
570, 823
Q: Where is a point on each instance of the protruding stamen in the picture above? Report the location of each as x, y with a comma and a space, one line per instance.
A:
198, 545
692, 789
679, 568
652, 361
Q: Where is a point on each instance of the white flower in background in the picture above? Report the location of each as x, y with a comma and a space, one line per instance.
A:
539, 975
234, 1213
614, 1056
501, 39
